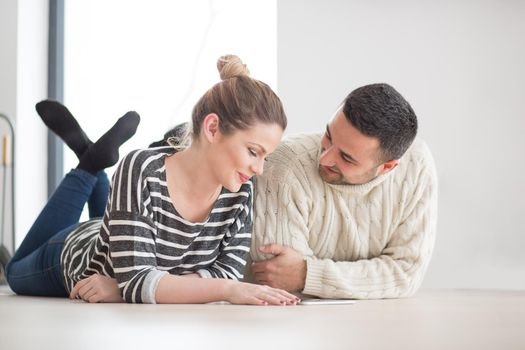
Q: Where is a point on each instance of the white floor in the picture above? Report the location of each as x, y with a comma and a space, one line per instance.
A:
433, 319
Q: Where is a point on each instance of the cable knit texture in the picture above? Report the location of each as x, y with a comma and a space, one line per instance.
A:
360, 241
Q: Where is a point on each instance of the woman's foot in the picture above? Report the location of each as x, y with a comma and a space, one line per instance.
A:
104, 152
59, 120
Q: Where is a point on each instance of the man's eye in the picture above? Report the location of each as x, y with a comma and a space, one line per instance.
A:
252, 152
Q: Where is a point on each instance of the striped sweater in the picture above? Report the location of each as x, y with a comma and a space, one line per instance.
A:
141, 237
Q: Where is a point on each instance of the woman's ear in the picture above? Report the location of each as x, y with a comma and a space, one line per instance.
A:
210, 127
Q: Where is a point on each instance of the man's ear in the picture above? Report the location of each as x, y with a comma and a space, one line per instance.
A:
388, 166
210, 127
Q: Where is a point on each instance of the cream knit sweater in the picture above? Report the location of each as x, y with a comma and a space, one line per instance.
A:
359, 241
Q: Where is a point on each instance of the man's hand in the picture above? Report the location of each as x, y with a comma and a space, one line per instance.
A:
286, 270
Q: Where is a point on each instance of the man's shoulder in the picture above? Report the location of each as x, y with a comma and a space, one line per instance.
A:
296, 157
419, 154
297, 148
300, 143
417, 162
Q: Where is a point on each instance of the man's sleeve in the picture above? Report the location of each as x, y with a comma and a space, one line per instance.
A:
399, 270
280, 217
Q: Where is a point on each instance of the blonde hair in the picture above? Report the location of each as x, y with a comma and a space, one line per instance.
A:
231, 66
238, 100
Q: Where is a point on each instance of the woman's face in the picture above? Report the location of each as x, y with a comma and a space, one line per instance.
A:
235, 158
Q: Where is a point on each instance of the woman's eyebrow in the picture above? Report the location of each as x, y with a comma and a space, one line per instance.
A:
256, 144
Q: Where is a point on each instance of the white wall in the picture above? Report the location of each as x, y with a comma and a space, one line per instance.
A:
23, 70
8, 11
23, 82
461, 66
8, 21
158, 59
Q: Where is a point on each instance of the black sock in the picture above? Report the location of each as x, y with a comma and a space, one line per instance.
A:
59, 120
104, 152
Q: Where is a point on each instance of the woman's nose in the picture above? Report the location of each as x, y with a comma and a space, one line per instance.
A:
258, 167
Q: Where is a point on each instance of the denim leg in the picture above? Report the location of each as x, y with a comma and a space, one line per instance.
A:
62, 210
99, 196
40, 272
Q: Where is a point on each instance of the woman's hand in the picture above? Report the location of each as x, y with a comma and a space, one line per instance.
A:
97, 289
254, 294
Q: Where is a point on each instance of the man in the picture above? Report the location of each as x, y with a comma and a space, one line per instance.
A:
350, 213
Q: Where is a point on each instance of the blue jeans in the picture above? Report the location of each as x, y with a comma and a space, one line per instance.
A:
35, 268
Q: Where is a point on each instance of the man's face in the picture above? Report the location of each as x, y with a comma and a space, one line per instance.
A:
348, 156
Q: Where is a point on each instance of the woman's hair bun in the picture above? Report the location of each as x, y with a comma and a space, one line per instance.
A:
230, 66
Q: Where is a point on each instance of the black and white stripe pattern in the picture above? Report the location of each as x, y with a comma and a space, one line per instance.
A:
142, 237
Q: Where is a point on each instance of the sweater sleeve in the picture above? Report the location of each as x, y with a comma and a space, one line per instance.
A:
279, 216
132, 233
235, 246
398, 271
284, 203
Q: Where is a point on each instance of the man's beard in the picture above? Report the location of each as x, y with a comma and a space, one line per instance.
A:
332, 178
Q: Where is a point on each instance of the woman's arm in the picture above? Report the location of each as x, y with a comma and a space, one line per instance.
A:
182, 290
235, 245
186, 289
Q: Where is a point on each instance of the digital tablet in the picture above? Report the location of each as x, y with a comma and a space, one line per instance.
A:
326, 301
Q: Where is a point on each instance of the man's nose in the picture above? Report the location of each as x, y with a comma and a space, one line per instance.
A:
327, 157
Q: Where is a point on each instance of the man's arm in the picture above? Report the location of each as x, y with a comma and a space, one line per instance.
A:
397, 272
287, 269
280, 223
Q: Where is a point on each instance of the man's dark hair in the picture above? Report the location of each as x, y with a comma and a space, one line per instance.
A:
379, 111
176, 133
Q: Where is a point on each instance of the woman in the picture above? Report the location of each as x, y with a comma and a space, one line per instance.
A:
177, 224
